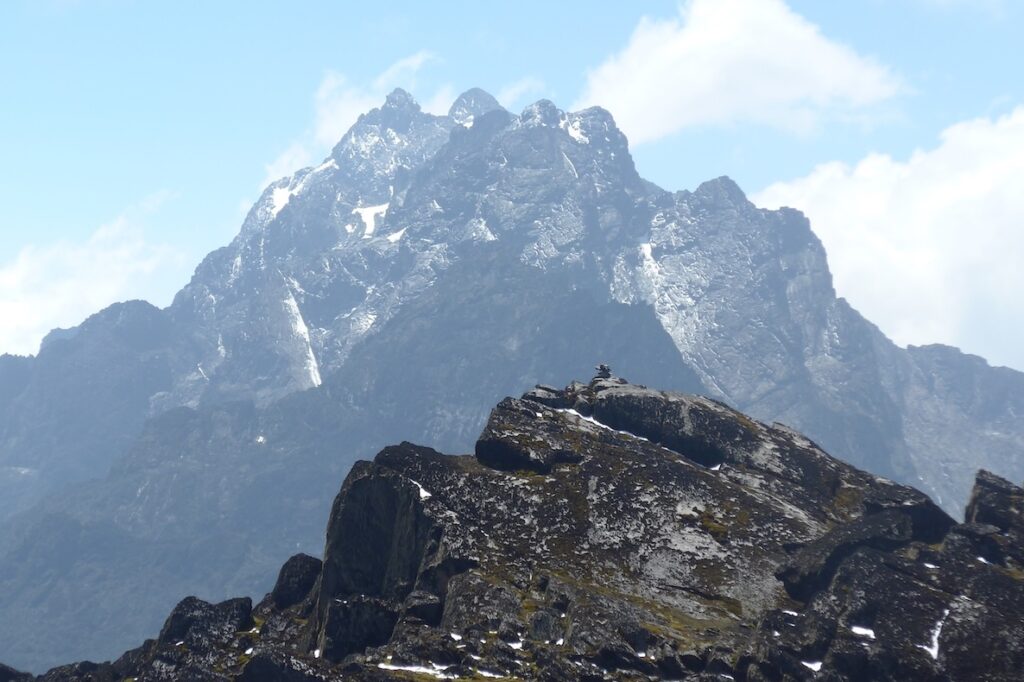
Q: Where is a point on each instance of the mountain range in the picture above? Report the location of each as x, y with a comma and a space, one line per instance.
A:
428, 267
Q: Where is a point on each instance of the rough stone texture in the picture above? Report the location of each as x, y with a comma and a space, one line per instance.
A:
195, 618
297, 577
512, 441
680, 540
996, 501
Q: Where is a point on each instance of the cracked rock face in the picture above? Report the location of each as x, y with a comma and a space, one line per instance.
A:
611, 531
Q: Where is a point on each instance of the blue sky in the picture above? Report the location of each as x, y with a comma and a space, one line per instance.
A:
137, 133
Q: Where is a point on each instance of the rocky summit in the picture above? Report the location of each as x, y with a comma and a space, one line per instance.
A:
612, 531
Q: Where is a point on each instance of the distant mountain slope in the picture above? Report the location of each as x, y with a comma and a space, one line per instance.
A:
68, 412
428, 266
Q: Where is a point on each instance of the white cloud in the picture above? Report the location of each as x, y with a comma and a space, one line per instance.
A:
337, 104
297, 155
733, 61
931, 248
60, 284
403, 71
510, 95
441, 101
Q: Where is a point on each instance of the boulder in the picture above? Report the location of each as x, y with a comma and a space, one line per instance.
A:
297, 577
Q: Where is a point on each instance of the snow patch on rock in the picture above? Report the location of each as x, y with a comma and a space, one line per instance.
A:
301, 332
370, 215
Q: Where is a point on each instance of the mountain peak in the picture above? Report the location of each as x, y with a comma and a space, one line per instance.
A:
541, 113
472, 103
722, 190
401, 99
397, 135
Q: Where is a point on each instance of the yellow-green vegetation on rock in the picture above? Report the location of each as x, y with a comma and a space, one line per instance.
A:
717, 530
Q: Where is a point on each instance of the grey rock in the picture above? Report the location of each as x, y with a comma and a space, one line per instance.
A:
297, 577
220, 621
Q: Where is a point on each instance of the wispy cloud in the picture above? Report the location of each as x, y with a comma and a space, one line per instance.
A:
722, 62
929, 248
338, 102
336, 106
512, 94
441, 101
57, 285
404, 70
297, 155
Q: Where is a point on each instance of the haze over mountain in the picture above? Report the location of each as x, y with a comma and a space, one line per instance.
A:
428, 267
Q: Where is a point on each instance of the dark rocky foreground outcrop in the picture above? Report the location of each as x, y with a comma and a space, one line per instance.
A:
610, 531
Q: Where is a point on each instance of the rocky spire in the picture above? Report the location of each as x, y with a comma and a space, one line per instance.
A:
401, 99
471, 104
